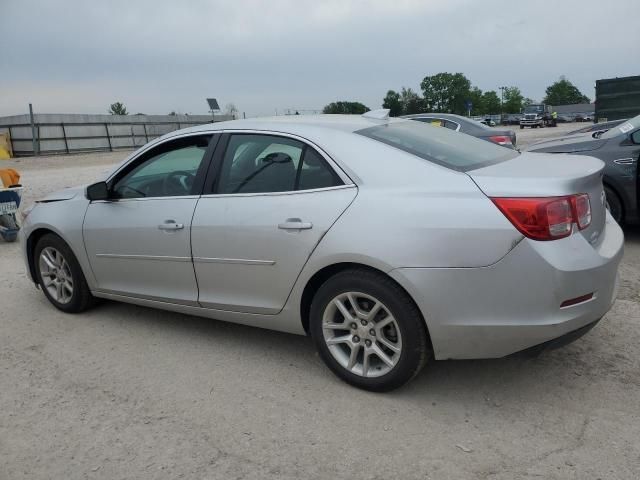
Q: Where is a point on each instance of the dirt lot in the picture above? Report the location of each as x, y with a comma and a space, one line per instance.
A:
124, 392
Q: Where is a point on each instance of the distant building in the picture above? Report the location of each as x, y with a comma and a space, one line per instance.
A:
575, 109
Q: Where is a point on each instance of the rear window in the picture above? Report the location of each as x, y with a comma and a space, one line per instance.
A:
445, 147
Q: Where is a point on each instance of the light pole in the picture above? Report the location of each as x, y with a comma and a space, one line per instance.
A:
502, 89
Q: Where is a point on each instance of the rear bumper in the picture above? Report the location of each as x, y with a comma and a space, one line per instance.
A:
559, 342
513, 305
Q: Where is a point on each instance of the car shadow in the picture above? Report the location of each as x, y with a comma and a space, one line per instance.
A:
439, 381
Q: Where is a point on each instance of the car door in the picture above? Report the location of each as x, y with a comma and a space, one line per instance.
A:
139, 241
272, 200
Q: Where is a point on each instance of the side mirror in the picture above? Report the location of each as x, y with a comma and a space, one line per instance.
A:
97, 191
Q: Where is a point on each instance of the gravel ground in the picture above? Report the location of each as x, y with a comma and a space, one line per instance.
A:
125, 392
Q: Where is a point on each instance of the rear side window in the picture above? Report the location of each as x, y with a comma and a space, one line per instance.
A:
439, 145
270, 164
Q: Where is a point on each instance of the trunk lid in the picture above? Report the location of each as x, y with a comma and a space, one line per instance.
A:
548, 175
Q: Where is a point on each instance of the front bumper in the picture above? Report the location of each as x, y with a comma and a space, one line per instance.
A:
494, 311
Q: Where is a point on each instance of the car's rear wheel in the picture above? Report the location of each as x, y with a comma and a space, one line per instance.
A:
614, 205
368, 330
60, 276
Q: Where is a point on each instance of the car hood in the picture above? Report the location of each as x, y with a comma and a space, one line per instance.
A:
66, 194
583, 142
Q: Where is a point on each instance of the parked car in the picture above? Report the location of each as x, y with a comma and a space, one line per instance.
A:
598, 127
387, 240
511, 119
584, 117
505, 138
619, 148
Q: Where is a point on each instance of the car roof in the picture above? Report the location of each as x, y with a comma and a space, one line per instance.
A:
295, 124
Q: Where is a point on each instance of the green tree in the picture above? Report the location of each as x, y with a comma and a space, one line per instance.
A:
446, 92
353, 108
512, 100
563, 92
475, 97
528, 101
393, 102
411, 102
490, 102
118, 108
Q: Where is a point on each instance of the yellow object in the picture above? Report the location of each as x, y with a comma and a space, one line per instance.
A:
9, 177
5, 146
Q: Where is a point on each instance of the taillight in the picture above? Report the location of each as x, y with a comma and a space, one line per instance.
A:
546, 218
501, 139
582, 208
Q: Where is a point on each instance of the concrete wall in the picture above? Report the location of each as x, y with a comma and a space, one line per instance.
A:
68, 133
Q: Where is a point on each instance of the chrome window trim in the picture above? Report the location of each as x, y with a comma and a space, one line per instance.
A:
288, 192
145, 199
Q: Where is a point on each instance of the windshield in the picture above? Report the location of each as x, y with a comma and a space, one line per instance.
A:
445, 147
534, 109
623, 128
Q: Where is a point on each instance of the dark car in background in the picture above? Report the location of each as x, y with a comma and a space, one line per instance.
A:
511, 119
598, 127
505, 138
619, 149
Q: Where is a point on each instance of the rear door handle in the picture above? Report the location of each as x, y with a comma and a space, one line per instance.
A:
295, 224
170, 225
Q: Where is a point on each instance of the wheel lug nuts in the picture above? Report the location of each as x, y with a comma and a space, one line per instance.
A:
353, 326
367, 343
363, 322
356, 338
372, 332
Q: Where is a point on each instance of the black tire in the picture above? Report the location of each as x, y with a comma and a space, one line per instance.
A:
614, 205
521, 127
416, 348
81, 298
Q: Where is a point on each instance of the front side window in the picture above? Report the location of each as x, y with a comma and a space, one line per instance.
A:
269, 164
168, 170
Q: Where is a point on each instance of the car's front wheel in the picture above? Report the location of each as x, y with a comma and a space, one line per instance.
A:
60, 276
368, 331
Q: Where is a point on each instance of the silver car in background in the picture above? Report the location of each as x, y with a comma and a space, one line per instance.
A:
389, 241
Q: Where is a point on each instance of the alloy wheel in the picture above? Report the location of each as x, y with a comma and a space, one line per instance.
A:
361, 334
56, 275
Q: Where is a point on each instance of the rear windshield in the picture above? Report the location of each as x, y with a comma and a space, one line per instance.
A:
445, 147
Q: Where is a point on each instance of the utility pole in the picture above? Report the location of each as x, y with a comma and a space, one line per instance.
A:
34, 142
502, 89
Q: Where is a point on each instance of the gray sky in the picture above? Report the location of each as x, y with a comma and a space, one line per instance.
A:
78, 56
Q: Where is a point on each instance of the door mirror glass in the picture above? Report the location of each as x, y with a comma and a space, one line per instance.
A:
635, 137
97, 191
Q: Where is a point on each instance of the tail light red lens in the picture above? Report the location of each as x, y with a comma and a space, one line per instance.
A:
500, 139
546, 218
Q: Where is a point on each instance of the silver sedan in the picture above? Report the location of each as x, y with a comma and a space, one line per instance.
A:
388, 241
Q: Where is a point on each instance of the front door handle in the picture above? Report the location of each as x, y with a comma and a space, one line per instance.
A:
170, 225
295, 224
